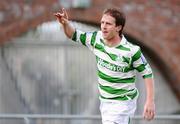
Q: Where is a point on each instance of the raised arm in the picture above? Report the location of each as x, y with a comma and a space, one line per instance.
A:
63, 19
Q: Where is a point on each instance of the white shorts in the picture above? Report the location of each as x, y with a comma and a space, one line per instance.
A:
117, 112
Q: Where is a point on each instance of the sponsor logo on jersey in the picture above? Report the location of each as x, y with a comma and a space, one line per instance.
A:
110, 66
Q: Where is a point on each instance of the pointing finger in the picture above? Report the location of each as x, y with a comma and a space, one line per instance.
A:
65, 13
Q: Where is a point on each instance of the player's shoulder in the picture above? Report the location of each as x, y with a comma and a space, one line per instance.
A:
131, 46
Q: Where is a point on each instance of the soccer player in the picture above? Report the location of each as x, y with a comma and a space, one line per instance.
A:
117, 61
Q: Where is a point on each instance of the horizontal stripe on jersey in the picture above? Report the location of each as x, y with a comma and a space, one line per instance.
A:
114, 79
148, 76
140, 68
111, 90
126, 86
108, 94
129, 96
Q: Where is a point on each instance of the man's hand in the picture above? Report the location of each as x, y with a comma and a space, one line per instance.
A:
149, 110
62, 16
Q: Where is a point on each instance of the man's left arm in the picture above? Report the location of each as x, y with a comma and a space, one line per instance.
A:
142, 66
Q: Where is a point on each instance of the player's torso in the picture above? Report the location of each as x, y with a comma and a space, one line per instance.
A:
115, 59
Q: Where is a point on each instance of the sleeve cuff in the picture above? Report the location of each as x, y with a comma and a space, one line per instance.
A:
148, 76
74, 36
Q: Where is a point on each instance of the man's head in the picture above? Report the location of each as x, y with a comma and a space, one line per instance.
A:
112, 22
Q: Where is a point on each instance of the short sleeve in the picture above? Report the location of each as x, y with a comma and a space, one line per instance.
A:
141, 65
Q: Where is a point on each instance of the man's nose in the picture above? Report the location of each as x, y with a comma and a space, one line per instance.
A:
104, 25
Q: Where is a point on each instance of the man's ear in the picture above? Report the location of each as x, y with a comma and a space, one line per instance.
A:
118, 28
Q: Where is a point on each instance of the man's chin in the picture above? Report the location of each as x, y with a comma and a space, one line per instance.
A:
105, 37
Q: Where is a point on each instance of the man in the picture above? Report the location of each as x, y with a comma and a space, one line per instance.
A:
117, 60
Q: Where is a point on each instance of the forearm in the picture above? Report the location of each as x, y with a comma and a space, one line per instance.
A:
68, 29
149, 82
149, 107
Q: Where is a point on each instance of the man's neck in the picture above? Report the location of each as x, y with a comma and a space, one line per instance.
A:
113, 42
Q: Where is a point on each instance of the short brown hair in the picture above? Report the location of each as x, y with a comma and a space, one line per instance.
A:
119, 17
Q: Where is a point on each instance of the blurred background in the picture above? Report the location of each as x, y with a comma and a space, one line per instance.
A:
44, 73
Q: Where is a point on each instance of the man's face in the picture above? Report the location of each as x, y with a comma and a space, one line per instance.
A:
108, 27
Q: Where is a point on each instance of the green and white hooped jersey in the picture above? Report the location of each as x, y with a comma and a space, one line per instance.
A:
116, 65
